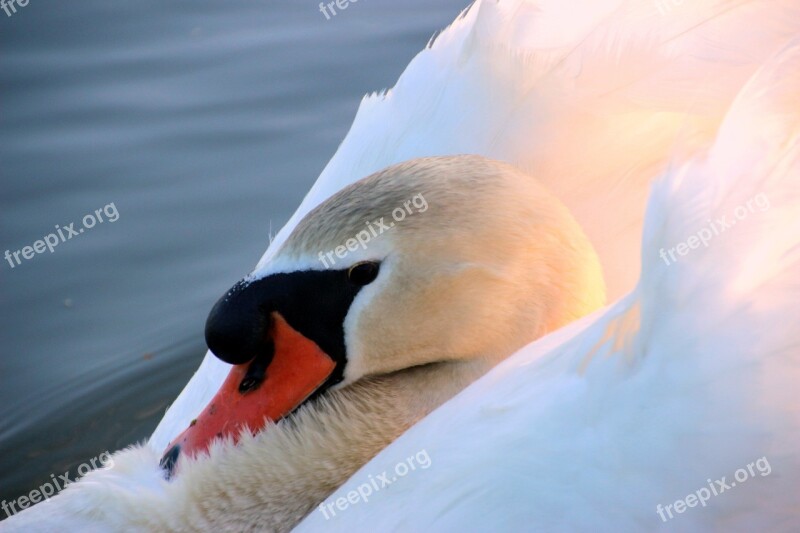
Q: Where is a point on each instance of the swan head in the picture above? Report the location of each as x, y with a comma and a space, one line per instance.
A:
442, 260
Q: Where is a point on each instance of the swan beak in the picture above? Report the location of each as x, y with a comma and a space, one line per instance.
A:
257, 392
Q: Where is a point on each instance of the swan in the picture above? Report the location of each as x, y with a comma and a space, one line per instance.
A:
674, 407
491, 263
593, 97
590, 102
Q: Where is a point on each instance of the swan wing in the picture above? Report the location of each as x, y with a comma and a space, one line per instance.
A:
685, 386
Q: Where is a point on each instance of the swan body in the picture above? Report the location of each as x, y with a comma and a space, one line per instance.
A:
687, 375
595, 98
682, 391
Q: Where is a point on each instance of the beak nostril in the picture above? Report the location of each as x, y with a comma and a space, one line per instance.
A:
169, 460
257, 371
249, 384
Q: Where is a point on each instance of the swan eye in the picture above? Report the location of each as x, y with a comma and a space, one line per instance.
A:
363, 273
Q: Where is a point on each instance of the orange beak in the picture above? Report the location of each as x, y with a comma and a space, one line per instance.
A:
249, 398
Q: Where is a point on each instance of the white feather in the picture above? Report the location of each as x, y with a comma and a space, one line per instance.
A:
587, 95
689, 378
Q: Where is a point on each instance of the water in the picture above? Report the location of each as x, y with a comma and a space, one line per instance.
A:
204, 122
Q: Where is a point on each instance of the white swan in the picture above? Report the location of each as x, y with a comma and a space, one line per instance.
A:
590, 102
593, 97
678, 404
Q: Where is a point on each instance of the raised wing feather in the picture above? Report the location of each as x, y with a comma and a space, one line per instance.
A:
690, 379
592, 97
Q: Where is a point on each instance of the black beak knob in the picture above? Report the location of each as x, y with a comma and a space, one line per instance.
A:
238, 326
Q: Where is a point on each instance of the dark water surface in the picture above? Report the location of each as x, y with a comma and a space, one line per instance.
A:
204, 123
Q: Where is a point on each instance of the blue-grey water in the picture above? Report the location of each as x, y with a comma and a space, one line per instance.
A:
203, 122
